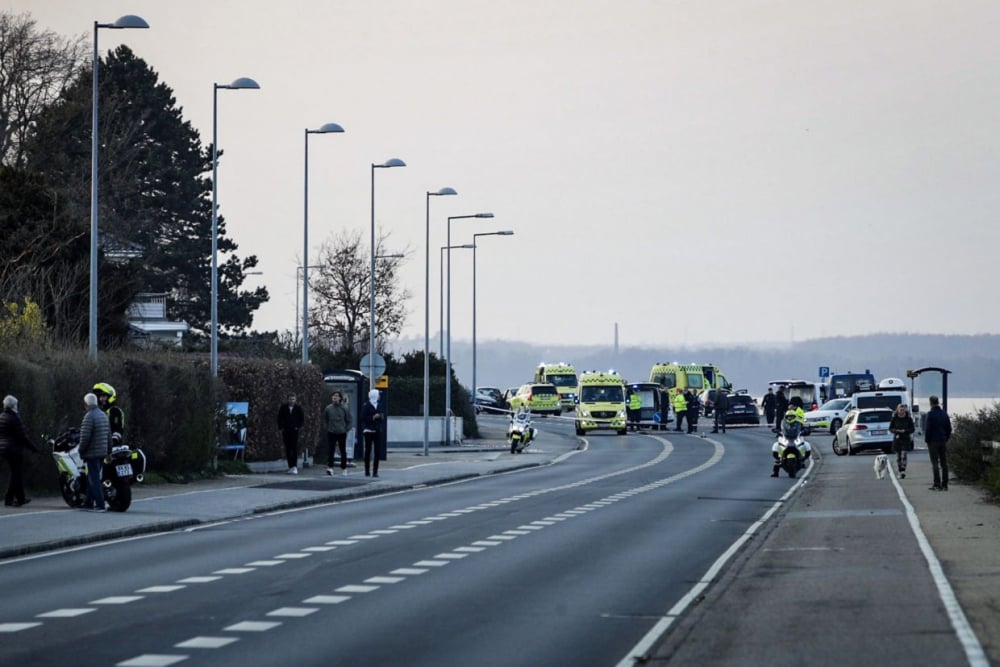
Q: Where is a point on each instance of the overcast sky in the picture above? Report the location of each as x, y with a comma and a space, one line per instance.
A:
694, 171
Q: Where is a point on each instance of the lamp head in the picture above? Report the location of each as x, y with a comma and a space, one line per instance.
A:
506, 232
484, 215
443, 191
241, 83
129, 21
393, 162
327, 128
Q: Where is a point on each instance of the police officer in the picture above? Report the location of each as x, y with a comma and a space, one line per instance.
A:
720, 408
634, 409
106, 397
680, 408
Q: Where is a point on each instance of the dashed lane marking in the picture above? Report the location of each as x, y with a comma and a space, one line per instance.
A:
65, 613
153, 660
198, 580
207, 642
265, 563
118, 599
16, 627
431, 563
356, 588
235, 570
327, 599
384, 580
293, 556
160, 589
409, 571
293, 612
252, 626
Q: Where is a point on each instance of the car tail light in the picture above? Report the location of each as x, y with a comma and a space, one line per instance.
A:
859, 427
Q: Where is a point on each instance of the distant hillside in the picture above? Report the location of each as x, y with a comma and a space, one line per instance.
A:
973, 360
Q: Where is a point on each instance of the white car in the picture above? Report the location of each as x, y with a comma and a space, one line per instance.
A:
864, 429
828, 416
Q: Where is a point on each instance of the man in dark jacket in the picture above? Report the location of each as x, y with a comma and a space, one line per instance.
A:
692, 410
95, 439
290, 420
13, 441
902, 429
768, 404
937, 431
780, 407
720, 408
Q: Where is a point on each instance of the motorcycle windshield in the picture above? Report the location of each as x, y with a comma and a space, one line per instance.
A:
790, 429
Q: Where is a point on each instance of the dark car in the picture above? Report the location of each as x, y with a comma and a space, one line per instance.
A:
742, 410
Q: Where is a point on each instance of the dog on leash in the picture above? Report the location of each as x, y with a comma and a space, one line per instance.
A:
881, 464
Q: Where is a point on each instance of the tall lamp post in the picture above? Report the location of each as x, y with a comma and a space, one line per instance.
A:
393, 162
447, 363
239, 84
298, 270
127, 21
447, 384
475, 244
427, 311
326, 128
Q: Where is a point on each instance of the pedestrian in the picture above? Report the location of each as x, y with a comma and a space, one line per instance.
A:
680, 408
290, 420
780, 406
338, 422
372, 420
937, 431
902, 429
692, 410
768, 404
95, 439
13, 441
720, 408
634, 409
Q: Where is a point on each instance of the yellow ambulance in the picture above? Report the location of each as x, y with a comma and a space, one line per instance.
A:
563, 376
601, 403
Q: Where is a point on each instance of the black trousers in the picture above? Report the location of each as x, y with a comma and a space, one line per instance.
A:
291, 440
337, 441
370, 438
15, 492
720, 422
939, 462
680, 418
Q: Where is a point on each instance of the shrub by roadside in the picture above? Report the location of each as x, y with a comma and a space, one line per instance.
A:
972, 456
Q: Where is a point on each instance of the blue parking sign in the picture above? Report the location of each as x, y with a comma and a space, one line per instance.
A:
824, 371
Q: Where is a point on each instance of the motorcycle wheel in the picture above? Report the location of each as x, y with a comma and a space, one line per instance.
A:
791, 469
72, 498
119, 496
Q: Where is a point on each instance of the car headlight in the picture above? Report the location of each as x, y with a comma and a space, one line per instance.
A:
584, 413
621, 413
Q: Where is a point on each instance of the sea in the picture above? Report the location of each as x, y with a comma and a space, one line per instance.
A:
962, 405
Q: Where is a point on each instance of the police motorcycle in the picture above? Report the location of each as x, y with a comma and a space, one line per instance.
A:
520, 432
122, 467
790, 450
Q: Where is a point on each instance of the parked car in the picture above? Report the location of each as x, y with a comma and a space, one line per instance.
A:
742, 410
488, 402
864, 429
542, 399
829, 416
706, 401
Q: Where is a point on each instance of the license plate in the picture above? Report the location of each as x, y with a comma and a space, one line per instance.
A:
879, 431
124, 470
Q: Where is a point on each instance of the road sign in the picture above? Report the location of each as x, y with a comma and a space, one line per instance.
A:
373, 366
382, 382
824, 371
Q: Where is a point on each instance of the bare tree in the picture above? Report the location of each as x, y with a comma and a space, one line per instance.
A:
341, 291
35, 67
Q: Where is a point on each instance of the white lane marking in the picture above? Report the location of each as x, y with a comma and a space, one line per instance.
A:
974, 652
118, 599
402, 526
341, 543
471, 550
384, 580
528, 526
384, 531
515, 533
420, 522
503, 537
451, 556
198, 580
293, 612
431, 563
235, 570
319, 549
153, 660
161, 589
252, 626
293, 556
363, 537
327, 599
16, 627
65, 613
409, 571
543, 522
356, 588
207, 642
487, 543
265, 563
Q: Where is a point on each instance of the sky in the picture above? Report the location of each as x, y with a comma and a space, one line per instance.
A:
694, 172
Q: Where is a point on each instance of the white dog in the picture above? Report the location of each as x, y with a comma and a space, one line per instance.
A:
881, 464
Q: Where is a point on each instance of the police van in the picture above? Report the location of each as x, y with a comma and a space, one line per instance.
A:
563, 376
601, 403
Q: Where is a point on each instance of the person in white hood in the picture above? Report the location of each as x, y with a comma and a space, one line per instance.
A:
372, 422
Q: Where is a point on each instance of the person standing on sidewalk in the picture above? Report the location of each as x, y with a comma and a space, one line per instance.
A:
719, 409
338, 422
937, 431
372, 421
768, 404
902, 429
13, 441
290, 420
95, 438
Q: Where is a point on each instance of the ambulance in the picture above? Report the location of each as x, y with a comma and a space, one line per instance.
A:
563, 376
675, 377
601, 403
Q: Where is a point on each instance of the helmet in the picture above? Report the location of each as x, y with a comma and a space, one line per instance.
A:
105, 389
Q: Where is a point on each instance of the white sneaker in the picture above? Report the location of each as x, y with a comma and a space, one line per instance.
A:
293, 471
329, 471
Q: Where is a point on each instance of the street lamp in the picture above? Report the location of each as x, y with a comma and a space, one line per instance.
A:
326, 128
239, 84
447, 362
506, 232
298, 270
447, 382
394, 162
127, 21
467, 246
427, 311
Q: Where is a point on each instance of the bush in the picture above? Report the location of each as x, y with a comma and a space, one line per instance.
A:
969, 459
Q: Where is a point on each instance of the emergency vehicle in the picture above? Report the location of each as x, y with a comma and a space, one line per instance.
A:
563, 376
675, 377
601, 403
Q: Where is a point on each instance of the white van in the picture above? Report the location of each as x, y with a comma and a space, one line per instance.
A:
808, 392
889, 393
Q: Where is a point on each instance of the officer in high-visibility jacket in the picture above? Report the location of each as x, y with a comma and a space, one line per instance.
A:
634, 410
680, 408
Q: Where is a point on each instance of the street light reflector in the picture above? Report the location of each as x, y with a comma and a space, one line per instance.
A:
484, 215
129, 21
243, 82
506, 232
394, 162
327, 128
444, 191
